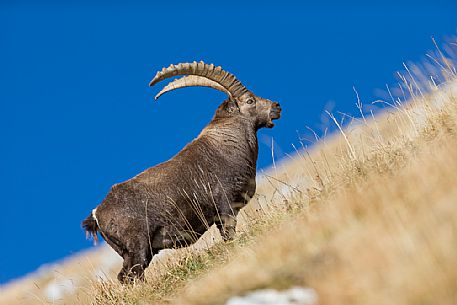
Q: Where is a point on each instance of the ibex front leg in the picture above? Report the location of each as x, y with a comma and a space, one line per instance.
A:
226, 226
226, 222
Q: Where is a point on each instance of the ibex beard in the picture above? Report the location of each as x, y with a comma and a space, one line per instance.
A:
173, 203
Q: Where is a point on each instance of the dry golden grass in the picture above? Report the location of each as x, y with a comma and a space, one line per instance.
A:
386, 234
367, 216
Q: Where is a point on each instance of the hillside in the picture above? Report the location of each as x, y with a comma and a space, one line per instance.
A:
365, 216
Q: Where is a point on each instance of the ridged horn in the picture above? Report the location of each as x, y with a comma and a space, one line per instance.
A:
191, 81
211, 72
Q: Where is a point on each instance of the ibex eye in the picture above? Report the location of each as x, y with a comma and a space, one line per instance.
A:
250, 101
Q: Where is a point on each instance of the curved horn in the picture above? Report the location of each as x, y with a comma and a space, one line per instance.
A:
216, 74
191, 81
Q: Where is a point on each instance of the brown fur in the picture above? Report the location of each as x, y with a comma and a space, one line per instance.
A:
173, 203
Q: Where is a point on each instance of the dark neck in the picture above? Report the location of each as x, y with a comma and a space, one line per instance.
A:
235, 136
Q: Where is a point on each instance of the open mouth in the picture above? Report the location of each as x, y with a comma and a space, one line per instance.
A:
275, 113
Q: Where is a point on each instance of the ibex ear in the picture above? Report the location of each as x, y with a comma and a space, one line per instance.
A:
231, 105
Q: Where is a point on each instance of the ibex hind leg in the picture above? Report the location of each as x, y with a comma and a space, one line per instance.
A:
114, 243
136, 259
123, 252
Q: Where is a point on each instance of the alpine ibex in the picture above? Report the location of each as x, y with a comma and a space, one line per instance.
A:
173, 203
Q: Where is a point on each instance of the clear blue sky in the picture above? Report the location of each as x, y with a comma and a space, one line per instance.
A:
77, 114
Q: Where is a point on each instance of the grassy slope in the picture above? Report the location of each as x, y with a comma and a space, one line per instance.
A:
367, 216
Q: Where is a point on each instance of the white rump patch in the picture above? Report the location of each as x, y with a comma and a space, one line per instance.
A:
95, 217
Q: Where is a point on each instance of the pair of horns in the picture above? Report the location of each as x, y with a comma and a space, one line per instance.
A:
199, 74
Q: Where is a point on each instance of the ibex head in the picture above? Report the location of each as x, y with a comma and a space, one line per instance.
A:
241, 101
